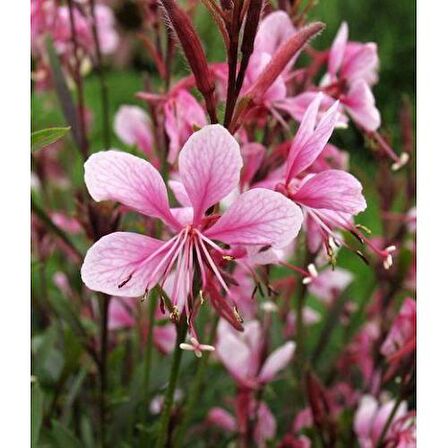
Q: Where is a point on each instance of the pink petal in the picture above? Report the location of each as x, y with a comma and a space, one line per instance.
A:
132, 126
277, 361
222, 419
179, 193
332, 190
330, 283
308, 143
253, 156
132, 181
120, 315
362, 63
209, 166
260, 217
338, 49
266, 425
364, 416
234, 354
360, 104
120, 258
274, 29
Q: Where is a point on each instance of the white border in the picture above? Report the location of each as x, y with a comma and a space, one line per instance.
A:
15, 225
432, 219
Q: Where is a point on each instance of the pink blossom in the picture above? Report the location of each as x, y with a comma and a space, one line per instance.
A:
133, 127
120, 312
241, 354
331, 197
401, 339
370, 418
130, 264
329, 284
265, 424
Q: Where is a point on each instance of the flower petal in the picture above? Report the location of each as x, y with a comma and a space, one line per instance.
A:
360, 104
332, 190
260, 217
277, 361
338, 49
209, 166
131, 124
116, 264
132, 181
308, 143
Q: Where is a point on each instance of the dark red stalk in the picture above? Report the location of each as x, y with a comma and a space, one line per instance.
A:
247, 45
194, 53
232, 61
84, 144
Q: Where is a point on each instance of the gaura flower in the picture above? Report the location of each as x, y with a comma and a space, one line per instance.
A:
329, 198
130, 264
242, 355
371, 417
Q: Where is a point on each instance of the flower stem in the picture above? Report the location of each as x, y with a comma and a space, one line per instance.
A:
105, 300
102, 80
388, 423
149, 343
195, 389
169, 395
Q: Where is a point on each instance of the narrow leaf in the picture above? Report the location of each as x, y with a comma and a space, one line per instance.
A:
44, 137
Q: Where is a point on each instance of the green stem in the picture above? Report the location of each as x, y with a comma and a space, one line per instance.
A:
169, 395
195, 390
149, 343
105, 300
42, 215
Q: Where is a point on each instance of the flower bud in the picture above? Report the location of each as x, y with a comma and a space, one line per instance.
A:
191, 45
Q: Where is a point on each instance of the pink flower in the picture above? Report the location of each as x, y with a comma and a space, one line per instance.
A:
132, 126
265, 424
352, 60
370, 418
241, 354
120, 312
329, 284
352, 69
331, 197
401, 339
130, 264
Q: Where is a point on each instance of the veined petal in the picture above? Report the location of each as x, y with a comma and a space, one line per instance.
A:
277, 361
209, 166
332, 190
116, 264
360, 104
362, 63
274, 29
338, 49
132, 181
305, 150
258, 216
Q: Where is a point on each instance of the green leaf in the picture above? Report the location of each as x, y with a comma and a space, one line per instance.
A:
37, 405
63, 437
44, 137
